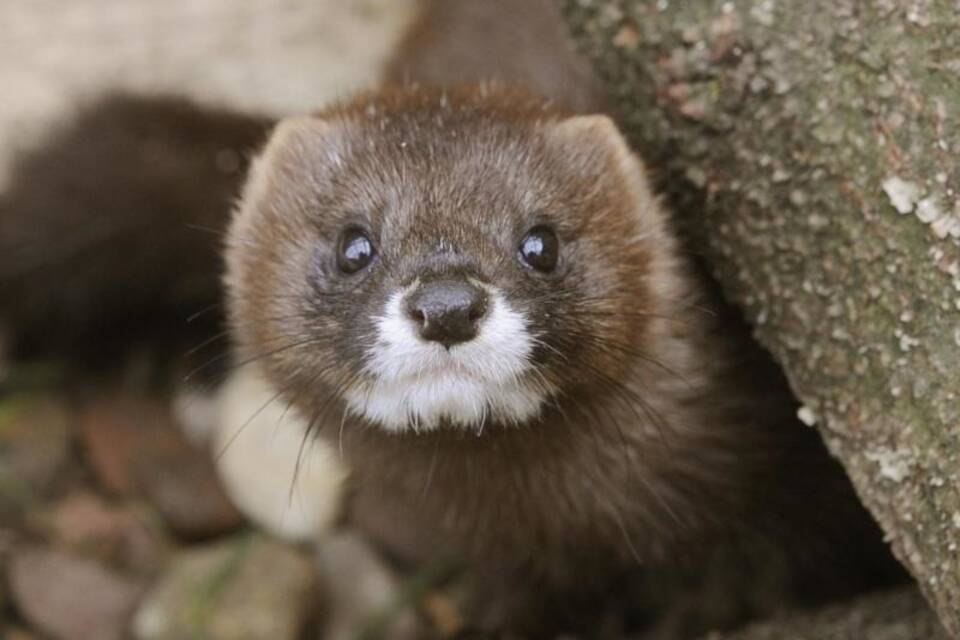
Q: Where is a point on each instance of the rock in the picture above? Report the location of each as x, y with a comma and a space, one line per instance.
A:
197, 412
182, 483
895, 615
362, 596
34, 449
136, 448
71, 598
111, 428
818, 234
120, 535
258, 447
246, 588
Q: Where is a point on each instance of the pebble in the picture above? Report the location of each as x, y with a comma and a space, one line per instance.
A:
259, 445
136, 448
181, 483
119, 535
361, 594
244, 588
67, 597
111, 428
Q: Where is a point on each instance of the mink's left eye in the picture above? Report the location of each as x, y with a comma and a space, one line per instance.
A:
540, 249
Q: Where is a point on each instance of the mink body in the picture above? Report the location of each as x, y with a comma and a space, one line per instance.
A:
670, 470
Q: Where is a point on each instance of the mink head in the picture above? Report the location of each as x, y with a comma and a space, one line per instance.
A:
460, 259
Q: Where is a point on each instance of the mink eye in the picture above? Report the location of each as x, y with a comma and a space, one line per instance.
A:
540, 249
354, 250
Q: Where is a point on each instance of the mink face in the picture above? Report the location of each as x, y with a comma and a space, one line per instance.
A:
445, 259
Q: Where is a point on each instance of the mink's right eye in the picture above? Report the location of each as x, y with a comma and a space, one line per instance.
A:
354, 250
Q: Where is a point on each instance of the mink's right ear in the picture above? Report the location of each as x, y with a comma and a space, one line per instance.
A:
297, 149
297, 140
283, 177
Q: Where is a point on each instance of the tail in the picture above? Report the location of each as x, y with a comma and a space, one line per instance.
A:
110, 230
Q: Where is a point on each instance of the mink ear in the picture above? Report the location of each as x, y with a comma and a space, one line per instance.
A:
295, 151
297, 139
598, 133
599, 143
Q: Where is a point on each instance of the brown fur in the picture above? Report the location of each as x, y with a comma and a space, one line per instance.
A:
669, 437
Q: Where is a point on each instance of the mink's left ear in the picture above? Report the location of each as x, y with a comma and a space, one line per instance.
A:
596, 139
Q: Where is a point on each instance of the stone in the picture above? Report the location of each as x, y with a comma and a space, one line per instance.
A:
120, 535
111, 428
180, 481
68, 597
287, 482
244, 588
136, 448
362, 596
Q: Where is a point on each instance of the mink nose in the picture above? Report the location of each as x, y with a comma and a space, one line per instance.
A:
447, 311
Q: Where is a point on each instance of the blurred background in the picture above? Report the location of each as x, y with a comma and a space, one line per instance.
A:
273, 56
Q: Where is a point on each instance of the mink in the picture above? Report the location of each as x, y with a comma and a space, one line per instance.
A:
475, 295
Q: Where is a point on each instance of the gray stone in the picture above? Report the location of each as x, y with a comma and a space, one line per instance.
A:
362, 596
67, 597
246, 588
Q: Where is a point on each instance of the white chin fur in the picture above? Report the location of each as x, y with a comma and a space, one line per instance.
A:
417, 384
